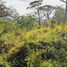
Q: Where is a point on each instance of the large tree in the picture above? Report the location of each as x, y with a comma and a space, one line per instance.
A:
59, 14
47, 10
41, 12
36, 12
65, 1
3, 9
7, 11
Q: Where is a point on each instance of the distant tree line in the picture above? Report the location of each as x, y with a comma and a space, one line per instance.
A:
40, 13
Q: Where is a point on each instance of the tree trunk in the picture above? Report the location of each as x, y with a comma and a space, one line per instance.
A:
66, 11
39, 19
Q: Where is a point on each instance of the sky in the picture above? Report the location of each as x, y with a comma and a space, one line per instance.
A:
21, 5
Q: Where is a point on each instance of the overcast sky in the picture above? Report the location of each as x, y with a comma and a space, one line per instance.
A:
21, 5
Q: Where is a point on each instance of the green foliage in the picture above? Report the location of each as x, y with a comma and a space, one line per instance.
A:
59, 14
43, 47
3, 62
26, 22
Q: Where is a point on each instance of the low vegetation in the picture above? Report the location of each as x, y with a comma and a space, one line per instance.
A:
39, 47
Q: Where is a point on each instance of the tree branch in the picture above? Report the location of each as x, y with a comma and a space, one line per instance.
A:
63, 1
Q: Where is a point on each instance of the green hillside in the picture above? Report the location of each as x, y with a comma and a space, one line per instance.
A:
45, 46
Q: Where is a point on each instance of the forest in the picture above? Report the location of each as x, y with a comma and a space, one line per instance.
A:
36, 39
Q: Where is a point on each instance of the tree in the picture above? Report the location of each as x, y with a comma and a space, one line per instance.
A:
59, 14
6, 11
13, 13
3, 10
65, 9
35, 5
47, 10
